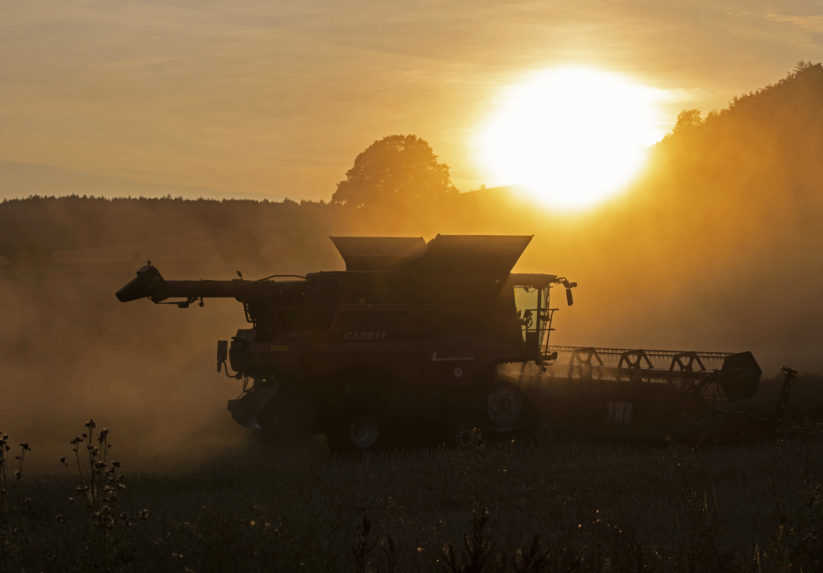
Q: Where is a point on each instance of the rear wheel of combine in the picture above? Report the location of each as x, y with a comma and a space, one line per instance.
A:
355, 417
361, 431
364, 432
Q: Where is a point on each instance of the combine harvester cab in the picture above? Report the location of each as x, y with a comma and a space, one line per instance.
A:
409, 340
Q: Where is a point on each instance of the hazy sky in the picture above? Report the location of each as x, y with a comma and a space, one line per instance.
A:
274, 99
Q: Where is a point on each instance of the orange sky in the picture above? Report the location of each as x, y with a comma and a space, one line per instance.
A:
202, 97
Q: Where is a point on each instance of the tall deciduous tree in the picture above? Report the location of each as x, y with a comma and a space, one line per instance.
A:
396, 170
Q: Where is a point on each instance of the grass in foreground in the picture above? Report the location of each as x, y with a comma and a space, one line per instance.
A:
502, 507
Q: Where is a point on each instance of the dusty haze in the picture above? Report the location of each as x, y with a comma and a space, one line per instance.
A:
715, 247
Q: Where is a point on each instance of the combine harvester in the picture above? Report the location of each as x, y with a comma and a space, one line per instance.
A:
419, 339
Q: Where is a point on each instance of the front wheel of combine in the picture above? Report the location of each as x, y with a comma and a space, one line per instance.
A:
506, 407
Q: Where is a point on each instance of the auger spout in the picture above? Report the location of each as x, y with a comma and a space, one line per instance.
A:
149, 283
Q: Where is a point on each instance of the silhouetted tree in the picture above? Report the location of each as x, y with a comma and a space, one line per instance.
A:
687, 119
396, 170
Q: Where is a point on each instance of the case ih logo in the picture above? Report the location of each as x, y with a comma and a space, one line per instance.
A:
364, 335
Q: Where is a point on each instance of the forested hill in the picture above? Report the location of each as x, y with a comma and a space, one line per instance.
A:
729, 215
777, 129
716, 244
738, 193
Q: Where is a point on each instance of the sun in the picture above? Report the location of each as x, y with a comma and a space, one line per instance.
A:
570, 136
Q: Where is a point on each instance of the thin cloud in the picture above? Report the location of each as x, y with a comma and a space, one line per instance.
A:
808, 23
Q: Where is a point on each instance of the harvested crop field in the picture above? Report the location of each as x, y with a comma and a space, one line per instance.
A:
505, 506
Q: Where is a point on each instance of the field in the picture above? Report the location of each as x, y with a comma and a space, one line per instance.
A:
539, 506
196, 497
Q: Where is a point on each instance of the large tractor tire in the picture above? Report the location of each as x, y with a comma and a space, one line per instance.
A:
508, 408
357, 431
359, 423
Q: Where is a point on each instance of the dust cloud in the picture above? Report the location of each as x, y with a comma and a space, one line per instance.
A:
71, 352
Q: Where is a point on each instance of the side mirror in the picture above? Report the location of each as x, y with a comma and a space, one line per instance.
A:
569, 297
222, 353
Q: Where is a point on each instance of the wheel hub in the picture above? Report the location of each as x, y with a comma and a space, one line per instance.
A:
505, 407
364, 432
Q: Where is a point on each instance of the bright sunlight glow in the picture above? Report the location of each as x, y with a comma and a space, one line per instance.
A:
570, 136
